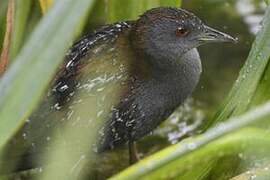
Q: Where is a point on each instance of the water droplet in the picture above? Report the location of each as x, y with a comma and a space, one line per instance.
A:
241, 155
24, 136
100, 89
100, 113
191, 146
40, 170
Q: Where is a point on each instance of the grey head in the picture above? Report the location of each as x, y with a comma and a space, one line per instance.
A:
168, 33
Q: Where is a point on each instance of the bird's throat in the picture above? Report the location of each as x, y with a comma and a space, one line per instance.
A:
177, 78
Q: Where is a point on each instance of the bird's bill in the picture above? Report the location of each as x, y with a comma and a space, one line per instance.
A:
212, 35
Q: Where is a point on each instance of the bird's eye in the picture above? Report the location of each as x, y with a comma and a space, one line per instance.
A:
181, 32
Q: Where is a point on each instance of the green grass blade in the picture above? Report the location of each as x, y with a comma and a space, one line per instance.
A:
3, 11
170, 3
261, 173
163, 158
22, 11
45, 5
119, 10
245, 87
26, 80
33, 20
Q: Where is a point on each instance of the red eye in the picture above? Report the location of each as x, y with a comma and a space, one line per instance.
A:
181, 32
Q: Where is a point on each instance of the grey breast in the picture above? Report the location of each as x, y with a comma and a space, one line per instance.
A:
159, 98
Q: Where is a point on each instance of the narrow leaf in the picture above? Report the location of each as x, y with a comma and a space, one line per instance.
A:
261, 173
181, 150
26, 80
119, 10
3, 13
45, 5
4, 58
22, 12
245, 87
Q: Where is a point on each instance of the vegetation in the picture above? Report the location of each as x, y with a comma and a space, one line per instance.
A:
34, 36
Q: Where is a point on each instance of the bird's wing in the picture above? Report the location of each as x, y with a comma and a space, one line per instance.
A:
93, 79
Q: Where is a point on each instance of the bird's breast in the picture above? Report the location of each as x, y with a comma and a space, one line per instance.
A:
188, 74
159, 97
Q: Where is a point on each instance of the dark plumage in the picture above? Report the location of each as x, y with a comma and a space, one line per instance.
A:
153, 64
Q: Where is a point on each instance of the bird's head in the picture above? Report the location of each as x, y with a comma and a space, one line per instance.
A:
171, 32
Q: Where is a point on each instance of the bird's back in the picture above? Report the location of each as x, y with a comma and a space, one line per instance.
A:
94, 78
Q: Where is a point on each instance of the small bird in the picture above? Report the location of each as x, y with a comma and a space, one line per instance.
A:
152, 62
